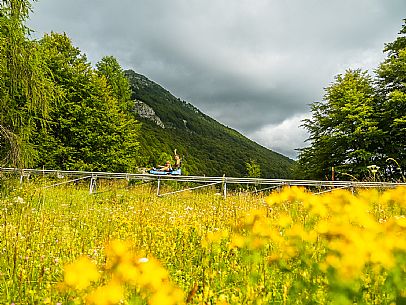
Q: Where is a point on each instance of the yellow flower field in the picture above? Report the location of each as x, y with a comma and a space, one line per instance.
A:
125, 245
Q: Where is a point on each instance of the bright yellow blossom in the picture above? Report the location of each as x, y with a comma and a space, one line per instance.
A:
119, 251
167, 296
80, 273
110, 294
284, 220
152, 275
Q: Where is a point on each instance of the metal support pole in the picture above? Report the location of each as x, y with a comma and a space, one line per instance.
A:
224, 187
92, 187
22, 177
159, 184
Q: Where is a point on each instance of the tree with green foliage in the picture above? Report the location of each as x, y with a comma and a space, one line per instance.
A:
344, 131
109, 68
392, 100
25, 89
358, 127
90, 128
253, 169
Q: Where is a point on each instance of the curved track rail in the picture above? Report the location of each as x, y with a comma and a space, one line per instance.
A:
79, 175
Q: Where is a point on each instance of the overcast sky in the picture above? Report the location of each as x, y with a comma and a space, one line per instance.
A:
253, 65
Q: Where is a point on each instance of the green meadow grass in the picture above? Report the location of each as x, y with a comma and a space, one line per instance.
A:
216, 250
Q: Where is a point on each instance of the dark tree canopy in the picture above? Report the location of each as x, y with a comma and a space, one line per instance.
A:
361, 122
90, 129
25, 88
343, 128
391, 80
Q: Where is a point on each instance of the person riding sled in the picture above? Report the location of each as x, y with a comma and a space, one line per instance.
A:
168, 168
178, 162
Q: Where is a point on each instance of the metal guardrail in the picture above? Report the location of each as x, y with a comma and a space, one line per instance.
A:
79, 175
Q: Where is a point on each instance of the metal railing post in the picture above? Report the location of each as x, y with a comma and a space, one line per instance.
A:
159, 184
224, 187
92, 185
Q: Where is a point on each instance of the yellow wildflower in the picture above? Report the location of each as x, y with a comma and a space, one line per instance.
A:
261, 227
319, 208
110, 294
80, 273
383, 256
167, 295
401, 221
214, 237
127, 272
323, 227
119, 251
288, 194
237, 241
284, 220
397, 195
153, 275
253, 216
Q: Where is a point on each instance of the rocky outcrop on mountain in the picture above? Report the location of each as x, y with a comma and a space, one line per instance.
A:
138, 81
145, 111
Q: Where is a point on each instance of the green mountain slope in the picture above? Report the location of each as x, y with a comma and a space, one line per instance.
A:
206, 146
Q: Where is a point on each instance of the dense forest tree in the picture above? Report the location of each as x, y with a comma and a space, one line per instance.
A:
26, 90
343, 128
359, 125
91, 125
391, 80
109, 68
253, 169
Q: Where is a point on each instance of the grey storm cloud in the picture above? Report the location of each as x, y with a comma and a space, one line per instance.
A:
254, 65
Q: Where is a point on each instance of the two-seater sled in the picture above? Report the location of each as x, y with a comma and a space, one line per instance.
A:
159, 172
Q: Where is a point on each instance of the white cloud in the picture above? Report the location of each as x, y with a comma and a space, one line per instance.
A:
284, 137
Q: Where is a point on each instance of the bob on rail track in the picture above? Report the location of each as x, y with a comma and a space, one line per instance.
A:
160, 172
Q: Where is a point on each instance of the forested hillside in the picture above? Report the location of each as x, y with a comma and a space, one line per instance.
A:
208, 147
